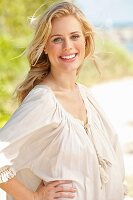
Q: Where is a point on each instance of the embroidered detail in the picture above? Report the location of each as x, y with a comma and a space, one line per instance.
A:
6, 173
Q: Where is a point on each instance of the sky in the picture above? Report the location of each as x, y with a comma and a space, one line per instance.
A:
107, 11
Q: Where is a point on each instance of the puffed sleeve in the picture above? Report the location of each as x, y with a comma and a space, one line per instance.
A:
34, 116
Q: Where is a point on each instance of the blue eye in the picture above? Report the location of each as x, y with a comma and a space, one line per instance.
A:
57, 40
75, 37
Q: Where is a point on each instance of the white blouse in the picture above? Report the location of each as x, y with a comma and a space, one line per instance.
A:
42, 141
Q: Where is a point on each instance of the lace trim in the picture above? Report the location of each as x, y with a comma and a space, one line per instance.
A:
6, 173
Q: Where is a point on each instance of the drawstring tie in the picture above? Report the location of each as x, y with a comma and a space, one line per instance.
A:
103, 165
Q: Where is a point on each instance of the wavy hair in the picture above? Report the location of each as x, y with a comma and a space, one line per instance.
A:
38, 60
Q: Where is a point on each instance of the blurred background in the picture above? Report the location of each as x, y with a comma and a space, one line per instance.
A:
113, 86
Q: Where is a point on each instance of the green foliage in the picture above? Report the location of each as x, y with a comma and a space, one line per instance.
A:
15, 34
15, 14
11, 71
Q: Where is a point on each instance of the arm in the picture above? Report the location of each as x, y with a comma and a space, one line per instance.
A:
17, 190
17, 146
51, 191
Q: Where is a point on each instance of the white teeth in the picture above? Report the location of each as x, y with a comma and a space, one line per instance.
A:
69, 57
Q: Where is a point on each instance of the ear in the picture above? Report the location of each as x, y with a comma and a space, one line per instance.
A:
85, 41
45, 50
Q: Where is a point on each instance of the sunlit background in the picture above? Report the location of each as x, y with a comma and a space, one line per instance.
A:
113, 86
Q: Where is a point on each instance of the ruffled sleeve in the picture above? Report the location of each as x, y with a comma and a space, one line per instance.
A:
34, 115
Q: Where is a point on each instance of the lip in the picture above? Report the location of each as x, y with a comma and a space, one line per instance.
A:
67, 54
68, 59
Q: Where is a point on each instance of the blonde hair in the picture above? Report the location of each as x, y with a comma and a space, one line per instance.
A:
38, 60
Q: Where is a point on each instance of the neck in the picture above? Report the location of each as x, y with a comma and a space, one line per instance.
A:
63, 81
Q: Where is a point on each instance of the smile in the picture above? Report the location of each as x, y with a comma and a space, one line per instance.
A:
68, 57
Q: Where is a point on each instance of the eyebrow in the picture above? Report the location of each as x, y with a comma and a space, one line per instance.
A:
61, 35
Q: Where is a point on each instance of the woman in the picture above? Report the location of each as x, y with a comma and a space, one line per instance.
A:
59, 139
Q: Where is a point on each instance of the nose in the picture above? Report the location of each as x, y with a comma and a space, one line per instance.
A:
67, 46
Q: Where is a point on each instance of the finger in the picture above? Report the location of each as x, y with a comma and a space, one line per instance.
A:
64, 195
59, 182
63, 189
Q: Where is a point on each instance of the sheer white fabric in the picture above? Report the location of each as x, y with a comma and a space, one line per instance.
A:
42, 141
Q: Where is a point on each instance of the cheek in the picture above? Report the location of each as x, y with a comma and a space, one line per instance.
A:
81, 44
53, 52
82, 48
54, 49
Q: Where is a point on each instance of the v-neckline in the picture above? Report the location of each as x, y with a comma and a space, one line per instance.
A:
67, 112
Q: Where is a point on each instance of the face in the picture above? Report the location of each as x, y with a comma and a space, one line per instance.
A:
66, 44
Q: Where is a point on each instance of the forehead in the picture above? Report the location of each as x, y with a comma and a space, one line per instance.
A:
66, 24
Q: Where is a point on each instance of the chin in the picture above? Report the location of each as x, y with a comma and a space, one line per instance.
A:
71, 69
71, 66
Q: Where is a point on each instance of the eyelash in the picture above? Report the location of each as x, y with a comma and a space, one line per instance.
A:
75, 37
59, 39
